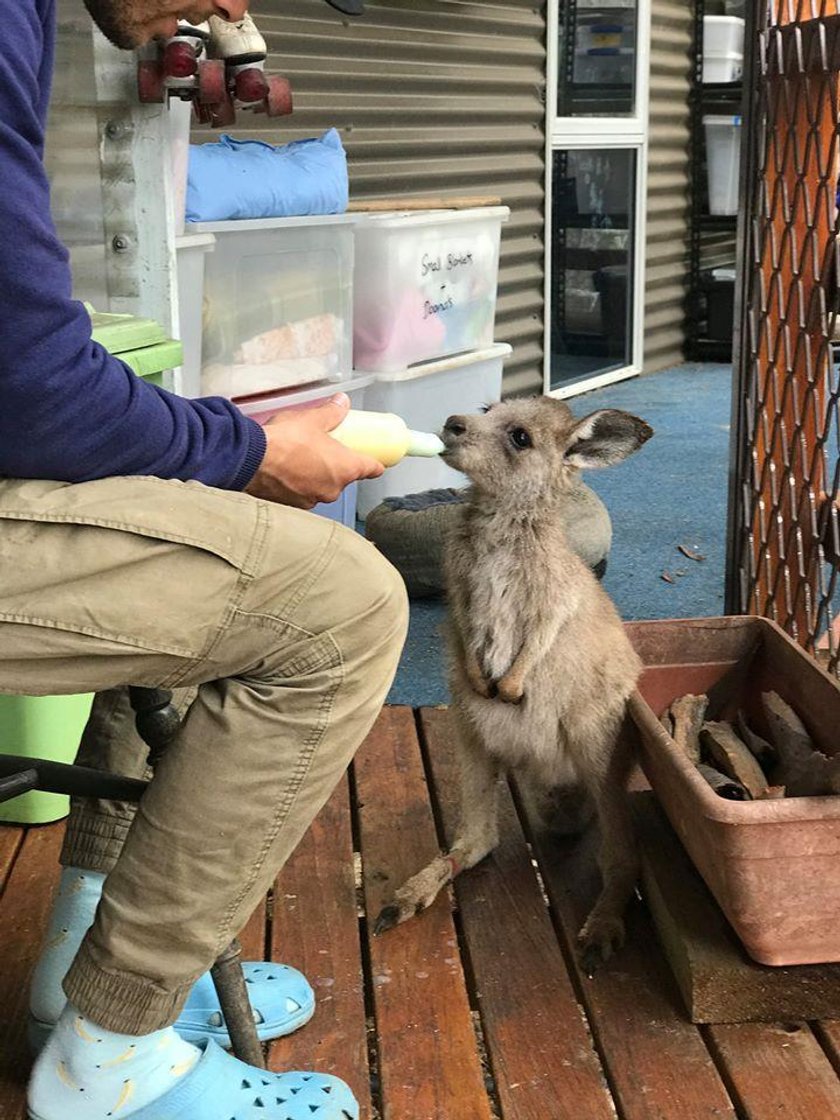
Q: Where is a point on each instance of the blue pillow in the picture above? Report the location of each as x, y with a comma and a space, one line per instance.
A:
250, 179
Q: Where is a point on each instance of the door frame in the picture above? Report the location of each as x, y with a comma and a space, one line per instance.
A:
598, 133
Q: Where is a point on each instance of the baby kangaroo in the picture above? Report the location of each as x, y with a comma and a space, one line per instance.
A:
541, 668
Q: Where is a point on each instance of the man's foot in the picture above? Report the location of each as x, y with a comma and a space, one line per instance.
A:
281, 996
89, 1073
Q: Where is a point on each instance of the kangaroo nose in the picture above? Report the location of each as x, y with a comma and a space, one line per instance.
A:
455, 426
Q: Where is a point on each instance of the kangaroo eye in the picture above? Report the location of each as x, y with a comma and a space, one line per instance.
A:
520, 438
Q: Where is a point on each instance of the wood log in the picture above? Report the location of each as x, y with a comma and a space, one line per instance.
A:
687, 714
723, 785
803, 769
380, 205
733, 756
762, 750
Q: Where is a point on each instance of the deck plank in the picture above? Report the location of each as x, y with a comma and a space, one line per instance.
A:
776, 1070
657, 1061
429, 1064
315, 928
23, 918
540, 1049
11, 839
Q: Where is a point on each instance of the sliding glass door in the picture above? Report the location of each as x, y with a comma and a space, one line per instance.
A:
596, 185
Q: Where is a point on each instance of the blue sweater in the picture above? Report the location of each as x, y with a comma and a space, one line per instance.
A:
68, 410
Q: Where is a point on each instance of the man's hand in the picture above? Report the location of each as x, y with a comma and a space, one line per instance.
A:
303, 464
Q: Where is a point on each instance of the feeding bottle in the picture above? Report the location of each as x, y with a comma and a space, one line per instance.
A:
384, 436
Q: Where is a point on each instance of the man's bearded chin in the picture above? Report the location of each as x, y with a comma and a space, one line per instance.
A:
108, 15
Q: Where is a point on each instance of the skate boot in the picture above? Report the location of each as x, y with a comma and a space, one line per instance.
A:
242, 49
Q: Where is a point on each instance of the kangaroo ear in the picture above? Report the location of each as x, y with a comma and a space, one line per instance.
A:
605, 437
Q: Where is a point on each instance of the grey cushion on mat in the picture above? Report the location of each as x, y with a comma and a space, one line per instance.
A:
410, 532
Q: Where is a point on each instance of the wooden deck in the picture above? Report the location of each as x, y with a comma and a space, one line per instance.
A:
470, 1013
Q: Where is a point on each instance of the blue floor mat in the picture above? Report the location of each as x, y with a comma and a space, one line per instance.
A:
673, 492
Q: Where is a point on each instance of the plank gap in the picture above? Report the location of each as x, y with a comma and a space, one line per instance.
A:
706, 1033
482, 1043
481, 1040
828, 1036
568, 951
371, 1027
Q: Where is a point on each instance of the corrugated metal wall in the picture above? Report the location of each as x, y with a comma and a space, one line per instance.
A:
438, 97
668, 179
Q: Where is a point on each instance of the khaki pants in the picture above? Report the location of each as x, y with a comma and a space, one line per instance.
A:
280, 632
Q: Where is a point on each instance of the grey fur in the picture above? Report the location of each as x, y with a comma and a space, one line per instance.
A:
541, 668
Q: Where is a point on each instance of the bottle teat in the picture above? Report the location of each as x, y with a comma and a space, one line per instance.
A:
426, 444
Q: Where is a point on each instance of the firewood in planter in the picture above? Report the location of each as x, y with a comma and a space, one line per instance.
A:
733, 756
803, 769
722, 785
688, 713
762, 750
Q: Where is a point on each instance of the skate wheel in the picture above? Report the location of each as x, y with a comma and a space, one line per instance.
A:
223, 114
250, 86
278, 102
179, 59
212, 82
151, 83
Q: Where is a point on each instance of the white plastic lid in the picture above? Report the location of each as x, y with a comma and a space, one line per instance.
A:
732, 121
290, 398
239, 225
441, 365
205, 241
399, 219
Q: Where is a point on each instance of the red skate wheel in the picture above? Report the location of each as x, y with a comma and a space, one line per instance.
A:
250, 86
212, 83
179, 59
222, 115
278, 102
151, 83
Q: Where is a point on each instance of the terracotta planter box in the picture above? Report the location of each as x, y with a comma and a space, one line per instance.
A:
773, 866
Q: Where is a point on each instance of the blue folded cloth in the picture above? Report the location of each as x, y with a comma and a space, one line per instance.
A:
251, 179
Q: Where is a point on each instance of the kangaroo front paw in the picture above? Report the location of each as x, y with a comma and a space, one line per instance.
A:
511, 690
601, 936
478, 682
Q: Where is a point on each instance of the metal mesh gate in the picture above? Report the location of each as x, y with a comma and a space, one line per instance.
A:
784, 539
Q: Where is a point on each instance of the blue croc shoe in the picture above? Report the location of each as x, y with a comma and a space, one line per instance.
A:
220, 1087
281, 997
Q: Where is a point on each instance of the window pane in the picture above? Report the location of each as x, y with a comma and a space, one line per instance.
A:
592, 292
597, 59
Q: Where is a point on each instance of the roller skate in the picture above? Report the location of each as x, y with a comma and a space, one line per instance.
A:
242, 49
216, 65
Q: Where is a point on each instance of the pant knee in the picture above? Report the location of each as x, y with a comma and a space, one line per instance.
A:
378, 597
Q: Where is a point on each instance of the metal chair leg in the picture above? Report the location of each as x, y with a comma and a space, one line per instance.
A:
236, 1006
158, 722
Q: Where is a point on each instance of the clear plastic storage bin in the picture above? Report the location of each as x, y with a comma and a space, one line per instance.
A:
277, 307
263, 408
424, 396
191, 251
425, 285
